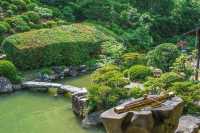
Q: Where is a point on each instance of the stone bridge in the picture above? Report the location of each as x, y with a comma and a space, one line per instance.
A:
65, 88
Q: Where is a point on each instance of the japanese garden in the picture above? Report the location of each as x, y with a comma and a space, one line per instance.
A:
99, 66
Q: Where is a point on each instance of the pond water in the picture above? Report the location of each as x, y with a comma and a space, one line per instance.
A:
29, 112
81, 81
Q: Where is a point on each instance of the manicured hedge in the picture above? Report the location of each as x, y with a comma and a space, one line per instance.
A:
64, 45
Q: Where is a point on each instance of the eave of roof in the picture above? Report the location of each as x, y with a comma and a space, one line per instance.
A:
193, 32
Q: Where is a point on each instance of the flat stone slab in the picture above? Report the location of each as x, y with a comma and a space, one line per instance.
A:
73, 89
33, 84
163, 119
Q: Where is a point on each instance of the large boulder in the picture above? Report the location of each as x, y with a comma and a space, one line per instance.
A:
163, 119
189, 124
5, 85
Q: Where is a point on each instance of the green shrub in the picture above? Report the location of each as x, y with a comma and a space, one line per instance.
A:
163, 56
10, 13
18, 24
65, 45
104, 97
8, 70
31, 6
57, 12
138, 39
109, 75
21, 5
156, 85
190, 93
138, 72
136, 92
33, 16
68, 13
44, 12
183, 65
13, 7
129, 59
4, 27
170, 77
112, 49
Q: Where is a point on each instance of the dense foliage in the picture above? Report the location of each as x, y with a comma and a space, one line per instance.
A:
8, 70
157, 85
190, 92
141, 24
24, 15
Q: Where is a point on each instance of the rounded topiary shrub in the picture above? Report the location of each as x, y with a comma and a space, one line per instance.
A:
8, 70
109, 75
138, 72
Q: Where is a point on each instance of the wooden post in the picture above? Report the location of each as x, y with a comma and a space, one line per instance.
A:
198, 55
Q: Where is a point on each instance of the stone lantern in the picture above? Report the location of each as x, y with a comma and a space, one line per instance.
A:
157, 73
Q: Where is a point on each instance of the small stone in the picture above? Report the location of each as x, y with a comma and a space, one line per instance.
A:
83, 69
73, 72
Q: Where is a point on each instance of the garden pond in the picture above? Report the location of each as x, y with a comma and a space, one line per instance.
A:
33, 112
